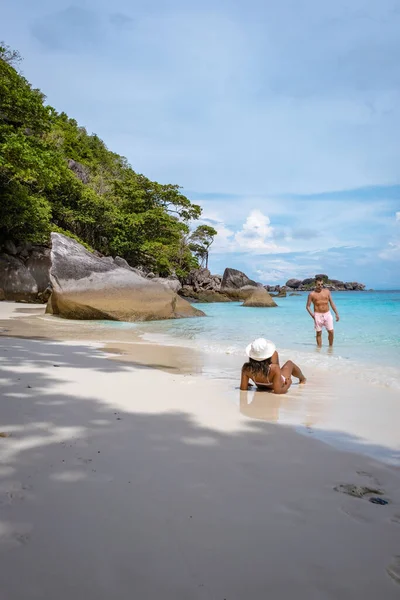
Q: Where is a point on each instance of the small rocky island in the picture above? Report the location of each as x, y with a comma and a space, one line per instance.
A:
306, 285
202, 286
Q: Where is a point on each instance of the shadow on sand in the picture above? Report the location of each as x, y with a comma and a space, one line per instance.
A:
97, 502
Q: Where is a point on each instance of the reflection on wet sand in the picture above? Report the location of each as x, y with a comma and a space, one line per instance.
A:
341, 412
260, 405
290, 408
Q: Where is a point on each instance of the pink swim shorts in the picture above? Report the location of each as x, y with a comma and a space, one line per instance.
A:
323, 320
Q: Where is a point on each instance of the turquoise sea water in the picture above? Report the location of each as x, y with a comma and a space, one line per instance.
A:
367, 335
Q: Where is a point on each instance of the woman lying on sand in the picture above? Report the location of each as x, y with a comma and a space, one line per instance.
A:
264, 370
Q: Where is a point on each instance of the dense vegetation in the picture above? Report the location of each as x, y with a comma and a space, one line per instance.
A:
54, 176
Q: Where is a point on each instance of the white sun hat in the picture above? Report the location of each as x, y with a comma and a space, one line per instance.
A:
260, 349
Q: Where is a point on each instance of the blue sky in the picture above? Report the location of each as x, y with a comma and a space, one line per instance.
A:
281, 119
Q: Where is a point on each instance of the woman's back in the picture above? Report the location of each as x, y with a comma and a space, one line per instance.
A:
261, 377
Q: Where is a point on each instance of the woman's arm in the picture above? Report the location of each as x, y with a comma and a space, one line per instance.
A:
275, 358
277, 383
244, 381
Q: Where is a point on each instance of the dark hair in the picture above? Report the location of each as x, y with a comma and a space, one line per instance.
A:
319, 279
258, 366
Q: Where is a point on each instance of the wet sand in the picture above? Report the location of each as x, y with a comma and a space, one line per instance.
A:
344, 411
124, 480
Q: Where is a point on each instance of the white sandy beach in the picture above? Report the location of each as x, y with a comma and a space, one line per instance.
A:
125, 481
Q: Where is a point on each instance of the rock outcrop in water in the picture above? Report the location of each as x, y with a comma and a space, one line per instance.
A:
235, 280
260, 298
308, 284
86, 286
237, 286
201, 286
234, 285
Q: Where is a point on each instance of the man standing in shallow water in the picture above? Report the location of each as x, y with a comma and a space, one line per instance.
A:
321, 298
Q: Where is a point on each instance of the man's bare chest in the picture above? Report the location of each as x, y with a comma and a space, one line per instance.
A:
320, 297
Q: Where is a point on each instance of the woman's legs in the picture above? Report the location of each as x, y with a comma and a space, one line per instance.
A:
290, 368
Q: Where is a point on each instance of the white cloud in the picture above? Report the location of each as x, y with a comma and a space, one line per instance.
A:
255, 231
391, 252
257, 234
398, 216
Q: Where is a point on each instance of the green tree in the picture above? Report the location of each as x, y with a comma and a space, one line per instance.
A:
8, 55
200, 242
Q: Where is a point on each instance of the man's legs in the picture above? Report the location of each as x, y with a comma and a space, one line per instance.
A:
318, 324
319, 338
329, 327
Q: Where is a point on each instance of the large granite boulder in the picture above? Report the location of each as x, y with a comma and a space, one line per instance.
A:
272, 288
121, 262
201, 279
86, 286
260, 298
171, 283
239, 294
201, 286
38, 265
203, 295
16, 281
293, 283
237, 286
234, 279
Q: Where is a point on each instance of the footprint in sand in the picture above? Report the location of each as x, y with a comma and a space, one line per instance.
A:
14, 535
395, 519
15, 492
393, 569
359, 512
357, 491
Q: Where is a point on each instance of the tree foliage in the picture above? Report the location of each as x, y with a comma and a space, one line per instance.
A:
200, 242
55, 176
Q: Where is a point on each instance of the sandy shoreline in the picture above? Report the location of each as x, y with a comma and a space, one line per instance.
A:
125, 480
345, 411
